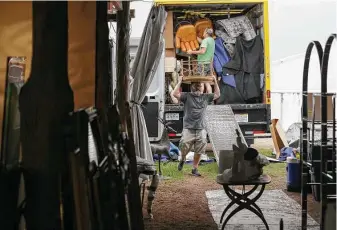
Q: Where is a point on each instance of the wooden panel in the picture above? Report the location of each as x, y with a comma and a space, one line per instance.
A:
281, 134
170, 53
278, 136
317, 99
81, 52
15, 40
168, 32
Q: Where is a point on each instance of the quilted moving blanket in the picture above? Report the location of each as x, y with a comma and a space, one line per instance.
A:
221, 57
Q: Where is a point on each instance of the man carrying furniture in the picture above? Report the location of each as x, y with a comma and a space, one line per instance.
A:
205, 55
194, 134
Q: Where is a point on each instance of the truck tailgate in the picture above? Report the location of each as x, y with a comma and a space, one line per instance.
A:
252, 119
175, 114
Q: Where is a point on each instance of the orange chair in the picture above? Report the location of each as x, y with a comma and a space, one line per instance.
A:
186, 38
201, 25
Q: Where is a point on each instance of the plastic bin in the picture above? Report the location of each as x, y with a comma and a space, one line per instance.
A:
293, 175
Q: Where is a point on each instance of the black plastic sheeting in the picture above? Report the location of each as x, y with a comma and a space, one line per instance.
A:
247, 65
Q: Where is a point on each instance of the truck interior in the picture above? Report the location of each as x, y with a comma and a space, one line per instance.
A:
234, 25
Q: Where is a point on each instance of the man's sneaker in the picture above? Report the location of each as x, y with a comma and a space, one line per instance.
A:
181, 165
195, 172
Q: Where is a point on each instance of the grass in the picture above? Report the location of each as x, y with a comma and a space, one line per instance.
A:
170, 170
210, 170
273, 169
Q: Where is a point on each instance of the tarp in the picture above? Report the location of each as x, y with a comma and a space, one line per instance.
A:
143, 69
247, 64
222, 57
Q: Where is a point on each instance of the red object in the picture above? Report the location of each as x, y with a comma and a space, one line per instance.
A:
172, 134
258, 132
114, 6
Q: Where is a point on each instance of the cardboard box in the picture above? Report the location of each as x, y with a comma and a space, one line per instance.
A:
278, 136
170, 64
317, 99
170, 53
168, 32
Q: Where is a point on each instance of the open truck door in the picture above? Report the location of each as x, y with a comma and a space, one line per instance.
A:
233, 21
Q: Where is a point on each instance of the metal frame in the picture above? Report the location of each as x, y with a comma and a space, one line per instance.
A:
242, 199
327, 178
267, 95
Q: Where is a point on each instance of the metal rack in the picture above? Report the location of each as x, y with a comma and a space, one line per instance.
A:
327, 172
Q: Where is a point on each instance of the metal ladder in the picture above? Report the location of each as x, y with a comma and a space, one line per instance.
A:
221, 127
327, 173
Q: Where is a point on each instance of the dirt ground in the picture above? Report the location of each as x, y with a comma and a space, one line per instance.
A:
183, 204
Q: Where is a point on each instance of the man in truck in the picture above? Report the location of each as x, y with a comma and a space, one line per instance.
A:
194, 132
205, 54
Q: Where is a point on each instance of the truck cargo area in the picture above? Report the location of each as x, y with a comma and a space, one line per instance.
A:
240, 35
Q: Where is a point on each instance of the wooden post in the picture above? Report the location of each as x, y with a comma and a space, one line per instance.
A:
122, 62
45, 102
189, 66
123, 53
105, 114
182, 67
102, 69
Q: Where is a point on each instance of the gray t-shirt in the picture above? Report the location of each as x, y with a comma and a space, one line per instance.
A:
195, 108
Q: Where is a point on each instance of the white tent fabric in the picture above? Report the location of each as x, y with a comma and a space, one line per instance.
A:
143, 69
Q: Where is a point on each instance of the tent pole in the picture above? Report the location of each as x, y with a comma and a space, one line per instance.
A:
123, 67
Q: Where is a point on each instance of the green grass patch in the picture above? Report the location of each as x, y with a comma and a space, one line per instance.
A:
171, 170
273, 169
210, 170
267, 152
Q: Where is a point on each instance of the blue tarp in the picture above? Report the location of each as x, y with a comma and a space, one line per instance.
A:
221, 57
286, 152
174, 153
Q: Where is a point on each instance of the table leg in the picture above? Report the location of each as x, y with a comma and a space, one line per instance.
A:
250, 209
245, 197
152, 193
235, 197
249, 204
143, 192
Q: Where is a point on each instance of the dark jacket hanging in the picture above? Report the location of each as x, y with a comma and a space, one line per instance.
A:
247, 64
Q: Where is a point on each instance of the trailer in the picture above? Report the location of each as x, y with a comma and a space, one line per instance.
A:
283, 18
253, 115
